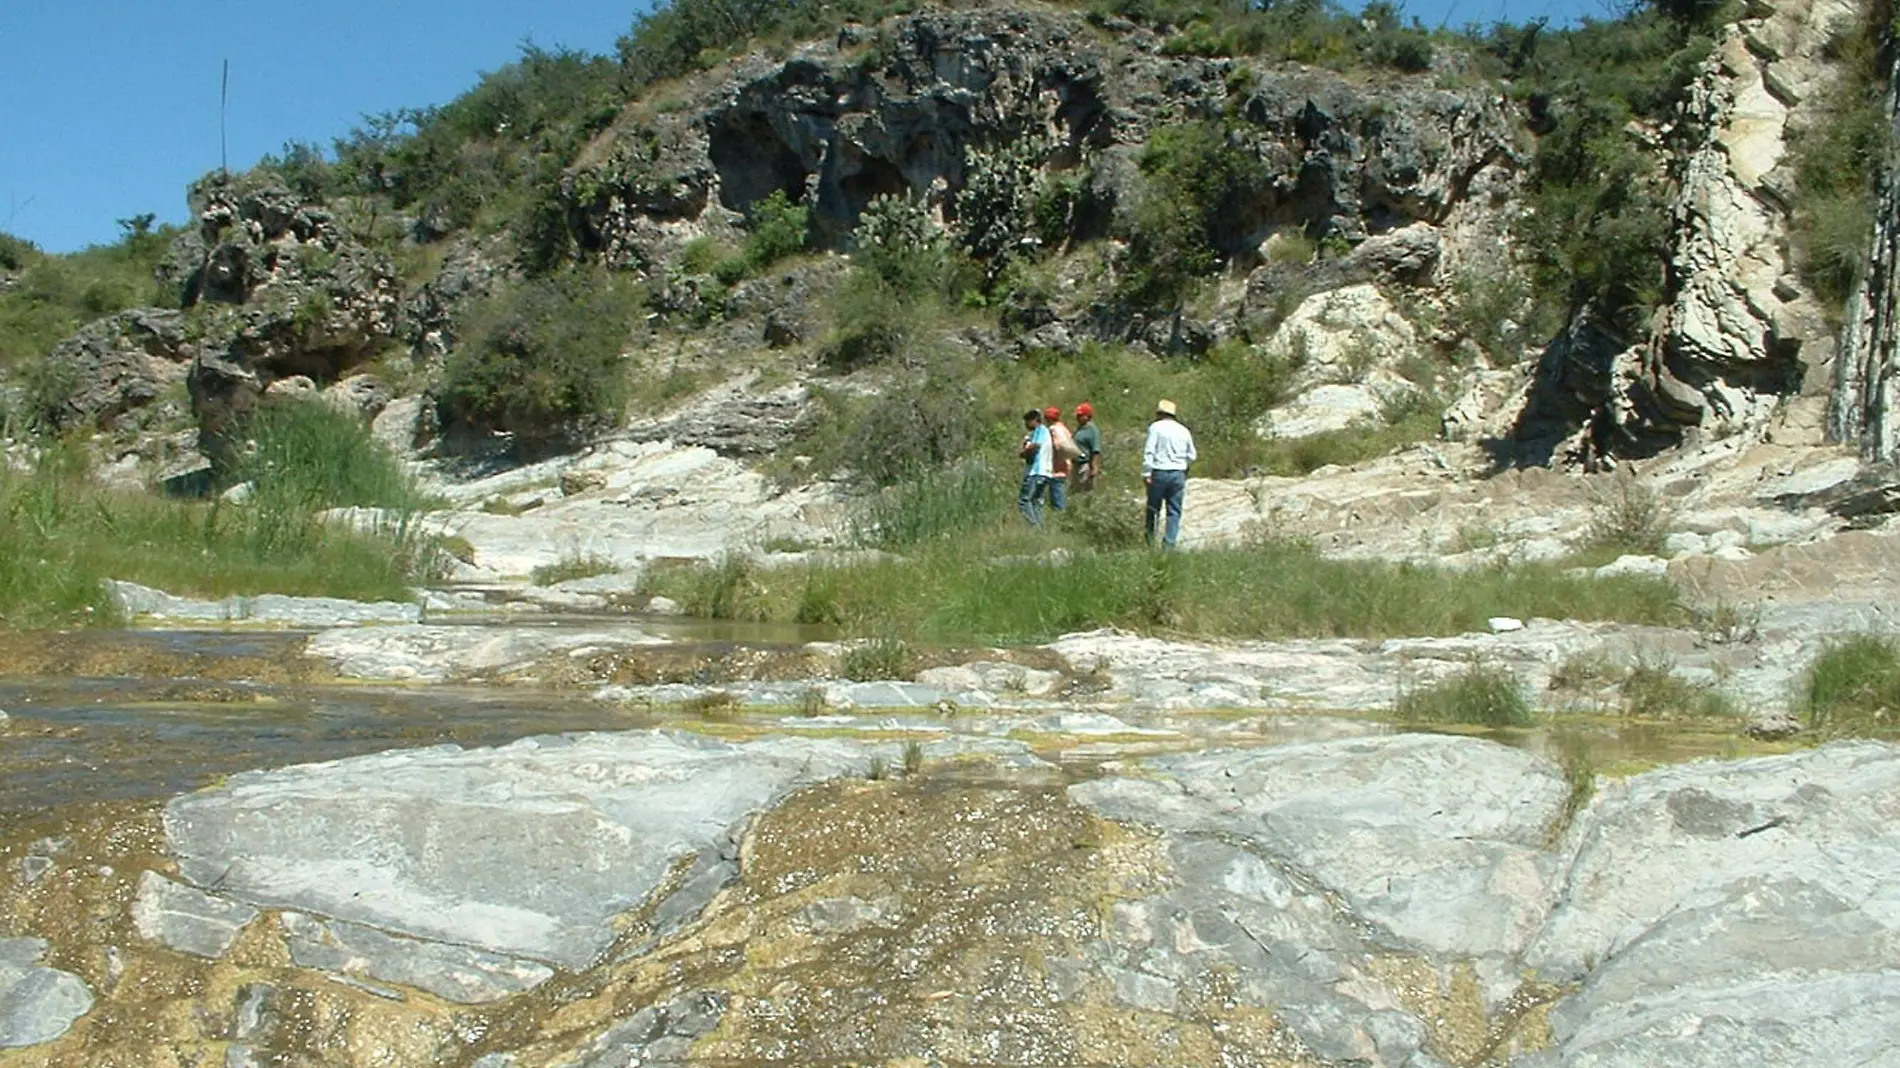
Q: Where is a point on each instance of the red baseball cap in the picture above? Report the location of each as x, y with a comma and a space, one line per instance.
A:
1052, 412
1084, 408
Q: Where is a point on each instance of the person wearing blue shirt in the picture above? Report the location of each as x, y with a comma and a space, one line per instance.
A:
1038, 465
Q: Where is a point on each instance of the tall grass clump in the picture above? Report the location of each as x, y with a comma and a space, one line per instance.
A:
1651, 689
1480, 695
65, 535
877, 660
316, 455
1853, 688
572, 565
930, 507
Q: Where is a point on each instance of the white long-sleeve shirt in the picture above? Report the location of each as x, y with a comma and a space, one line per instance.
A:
1170, 447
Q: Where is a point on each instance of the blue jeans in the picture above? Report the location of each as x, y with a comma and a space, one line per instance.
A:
1058, 493
1169, 489
1030, 500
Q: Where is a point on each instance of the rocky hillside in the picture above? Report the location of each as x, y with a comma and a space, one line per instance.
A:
1405, 222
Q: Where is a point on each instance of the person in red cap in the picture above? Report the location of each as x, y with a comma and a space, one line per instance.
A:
1062, 457
1088, 448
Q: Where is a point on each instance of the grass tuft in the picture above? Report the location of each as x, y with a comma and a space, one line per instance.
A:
1628, 517
1853, 688
876, 660
1480, 695
572, 565
1651, 689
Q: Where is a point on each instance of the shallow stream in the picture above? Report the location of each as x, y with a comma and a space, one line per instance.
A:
145, 714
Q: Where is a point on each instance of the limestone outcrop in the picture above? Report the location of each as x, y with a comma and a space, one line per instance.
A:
1741, 347
281, 289
900, 110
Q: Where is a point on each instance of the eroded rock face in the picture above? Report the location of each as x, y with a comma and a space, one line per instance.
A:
117, 365
1717, 911
1865, 407
844, 122
286, 290
1741, 347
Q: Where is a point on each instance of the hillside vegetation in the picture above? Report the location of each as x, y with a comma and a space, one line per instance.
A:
541, 258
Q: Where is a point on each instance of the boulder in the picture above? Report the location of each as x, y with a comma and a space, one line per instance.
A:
1341, 335
37, 1004
115, 366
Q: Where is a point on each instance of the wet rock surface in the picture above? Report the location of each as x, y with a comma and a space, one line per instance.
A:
1076, 896
37, 1003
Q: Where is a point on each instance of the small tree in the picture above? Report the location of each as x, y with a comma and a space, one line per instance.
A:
543, 361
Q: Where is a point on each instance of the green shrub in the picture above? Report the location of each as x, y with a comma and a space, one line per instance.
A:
872, 322
1104, 520
899, 242
16, 252
1200, 177
543, 361
1479, 695
777, 228
54, 295
683, 36
877, 660
1596, 232
997, 211
1315, 32
1853, 688
1628, 517
915, 427
477, 159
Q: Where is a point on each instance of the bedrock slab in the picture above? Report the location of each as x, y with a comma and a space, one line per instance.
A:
425, 653
1740, 913
528, 851
1436, 839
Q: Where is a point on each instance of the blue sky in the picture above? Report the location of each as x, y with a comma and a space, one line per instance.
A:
109, 108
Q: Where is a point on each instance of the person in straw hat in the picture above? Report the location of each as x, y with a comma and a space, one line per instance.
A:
1164, 466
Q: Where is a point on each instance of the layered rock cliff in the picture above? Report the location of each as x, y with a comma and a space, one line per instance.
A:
1399, 193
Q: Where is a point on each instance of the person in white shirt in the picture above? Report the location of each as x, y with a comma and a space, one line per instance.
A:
1164, 465
1038, 464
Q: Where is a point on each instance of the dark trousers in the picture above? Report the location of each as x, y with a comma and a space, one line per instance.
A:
1166, 489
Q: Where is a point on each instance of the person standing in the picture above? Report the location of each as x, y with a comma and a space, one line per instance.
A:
1062, 456
1164, 466
1088, 448
1038, 462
